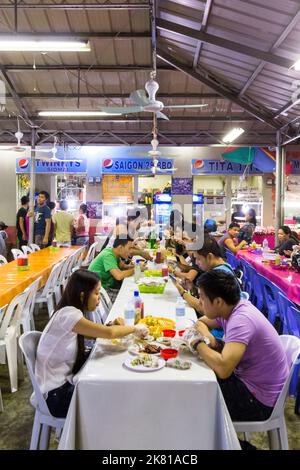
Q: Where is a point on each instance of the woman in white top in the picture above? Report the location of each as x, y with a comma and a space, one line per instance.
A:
60, 352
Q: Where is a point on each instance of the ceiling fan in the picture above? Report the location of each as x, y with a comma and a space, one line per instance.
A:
18, 147
154, 153
144, 103
52, 151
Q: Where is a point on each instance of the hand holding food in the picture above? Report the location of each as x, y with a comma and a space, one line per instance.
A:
141, 330
119, 321
191, 337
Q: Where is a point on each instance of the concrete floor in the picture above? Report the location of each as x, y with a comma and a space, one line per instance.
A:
17, 419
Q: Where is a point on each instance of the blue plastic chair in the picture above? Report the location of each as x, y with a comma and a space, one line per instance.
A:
231, 259
271, 305
292, 325
248, 277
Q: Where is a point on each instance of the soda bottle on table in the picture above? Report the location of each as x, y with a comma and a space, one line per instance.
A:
137, 271
137, 301
158, 257
129, 314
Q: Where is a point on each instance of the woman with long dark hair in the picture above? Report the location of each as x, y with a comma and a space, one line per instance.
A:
60, 352
287, 239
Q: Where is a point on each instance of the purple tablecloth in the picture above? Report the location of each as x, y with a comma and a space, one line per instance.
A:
288, 281
260, 238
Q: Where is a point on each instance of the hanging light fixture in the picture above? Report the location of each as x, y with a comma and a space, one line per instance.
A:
233, 134
24, 44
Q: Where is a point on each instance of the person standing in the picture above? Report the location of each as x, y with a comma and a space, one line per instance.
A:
63, 224
82, 226
22, 234
42, 221
3, 238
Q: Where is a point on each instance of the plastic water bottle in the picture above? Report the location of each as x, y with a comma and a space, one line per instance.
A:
137, 302
180, 313
129, 314
137, 271
265, 247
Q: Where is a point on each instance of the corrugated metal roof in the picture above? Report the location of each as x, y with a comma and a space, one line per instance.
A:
245, 22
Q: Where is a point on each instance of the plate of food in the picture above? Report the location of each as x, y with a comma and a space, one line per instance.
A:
145, 348
114, 345
166, 341
157, 324
179, 364
145, 363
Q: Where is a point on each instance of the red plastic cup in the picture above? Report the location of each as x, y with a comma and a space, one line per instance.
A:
169, 333
19, 261
168, 353
181, 332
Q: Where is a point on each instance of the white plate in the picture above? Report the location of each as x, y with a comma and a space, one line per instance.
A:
162, 340
141, 368
135, 350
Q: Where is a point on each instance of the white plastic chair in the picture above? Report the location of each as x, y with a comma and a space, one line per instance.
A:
34, 247
275, 426
43, 420
100, 240
106, 299
47, 293
90, 255
26, 249
27, 320
16, 253
79, 258
3, 260
9, 333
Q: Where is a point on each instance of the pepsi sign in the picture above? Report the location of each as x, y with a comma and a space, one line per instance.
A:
220, 167
23, 166
135, 166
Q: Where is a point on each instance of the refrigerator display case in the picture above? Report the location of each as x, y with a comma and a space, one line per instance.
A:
162, 210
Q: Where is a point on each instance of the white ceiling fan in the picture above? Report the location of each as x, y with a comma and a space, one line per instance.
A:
18, 147
52, 151
154, 153
144, 103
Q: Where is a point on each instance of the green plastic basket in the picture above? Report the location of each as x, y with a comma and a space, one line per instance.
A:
144, 289
153, 273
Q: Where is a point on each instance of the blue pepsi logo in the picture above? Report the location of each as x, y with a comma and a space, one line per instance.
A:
107, 163
23, 163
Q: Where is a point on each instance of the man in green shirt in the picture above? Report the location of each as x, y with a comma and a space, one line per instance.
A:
63, 224
110, 267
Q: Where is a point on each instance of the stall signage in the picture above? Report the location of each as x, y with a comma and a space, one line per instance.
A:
118, 189
23, 166
135, 166
219, 167
295, 167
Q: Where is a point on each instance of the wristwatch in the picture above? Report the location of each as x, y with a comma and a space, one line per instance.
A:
204, 339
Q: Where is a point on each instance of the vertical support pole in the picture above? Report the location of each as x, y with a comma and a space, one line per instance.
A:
279, 184
136, 190
16, 15
228, 196
78, 90
32, 186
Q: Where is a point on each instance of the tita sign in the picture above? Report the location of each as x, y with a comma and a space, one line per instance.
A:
23, 166
220, 167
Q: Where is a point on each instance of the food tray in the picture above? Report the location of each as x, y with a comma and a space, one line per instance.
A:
144, 289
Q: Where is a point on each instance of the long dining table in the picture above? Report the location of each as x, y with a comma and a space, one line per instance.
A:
116, 408
288, 280
13, 281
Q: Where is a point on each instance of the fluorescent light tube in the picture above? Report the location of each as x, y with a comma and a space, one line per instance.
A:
296, 65
25, 44
75, 113
233, 134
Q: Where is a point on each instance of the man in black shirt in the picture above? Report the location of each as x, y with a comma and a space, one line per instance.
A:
21, 222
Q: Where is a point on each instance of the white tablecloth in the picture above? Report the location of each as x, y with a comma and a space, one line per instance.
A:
115, 408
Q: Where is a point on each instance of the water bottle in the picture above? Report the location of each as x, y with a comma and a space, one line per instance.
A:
137, 302
265, 247
129, 314
137, 271
180, 313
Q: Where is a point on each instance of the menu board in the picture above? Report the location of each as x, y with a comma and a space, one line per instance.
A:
117, 188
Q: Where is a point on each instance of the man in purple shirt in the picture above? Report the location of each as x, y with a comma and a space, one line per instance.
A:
250, 365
